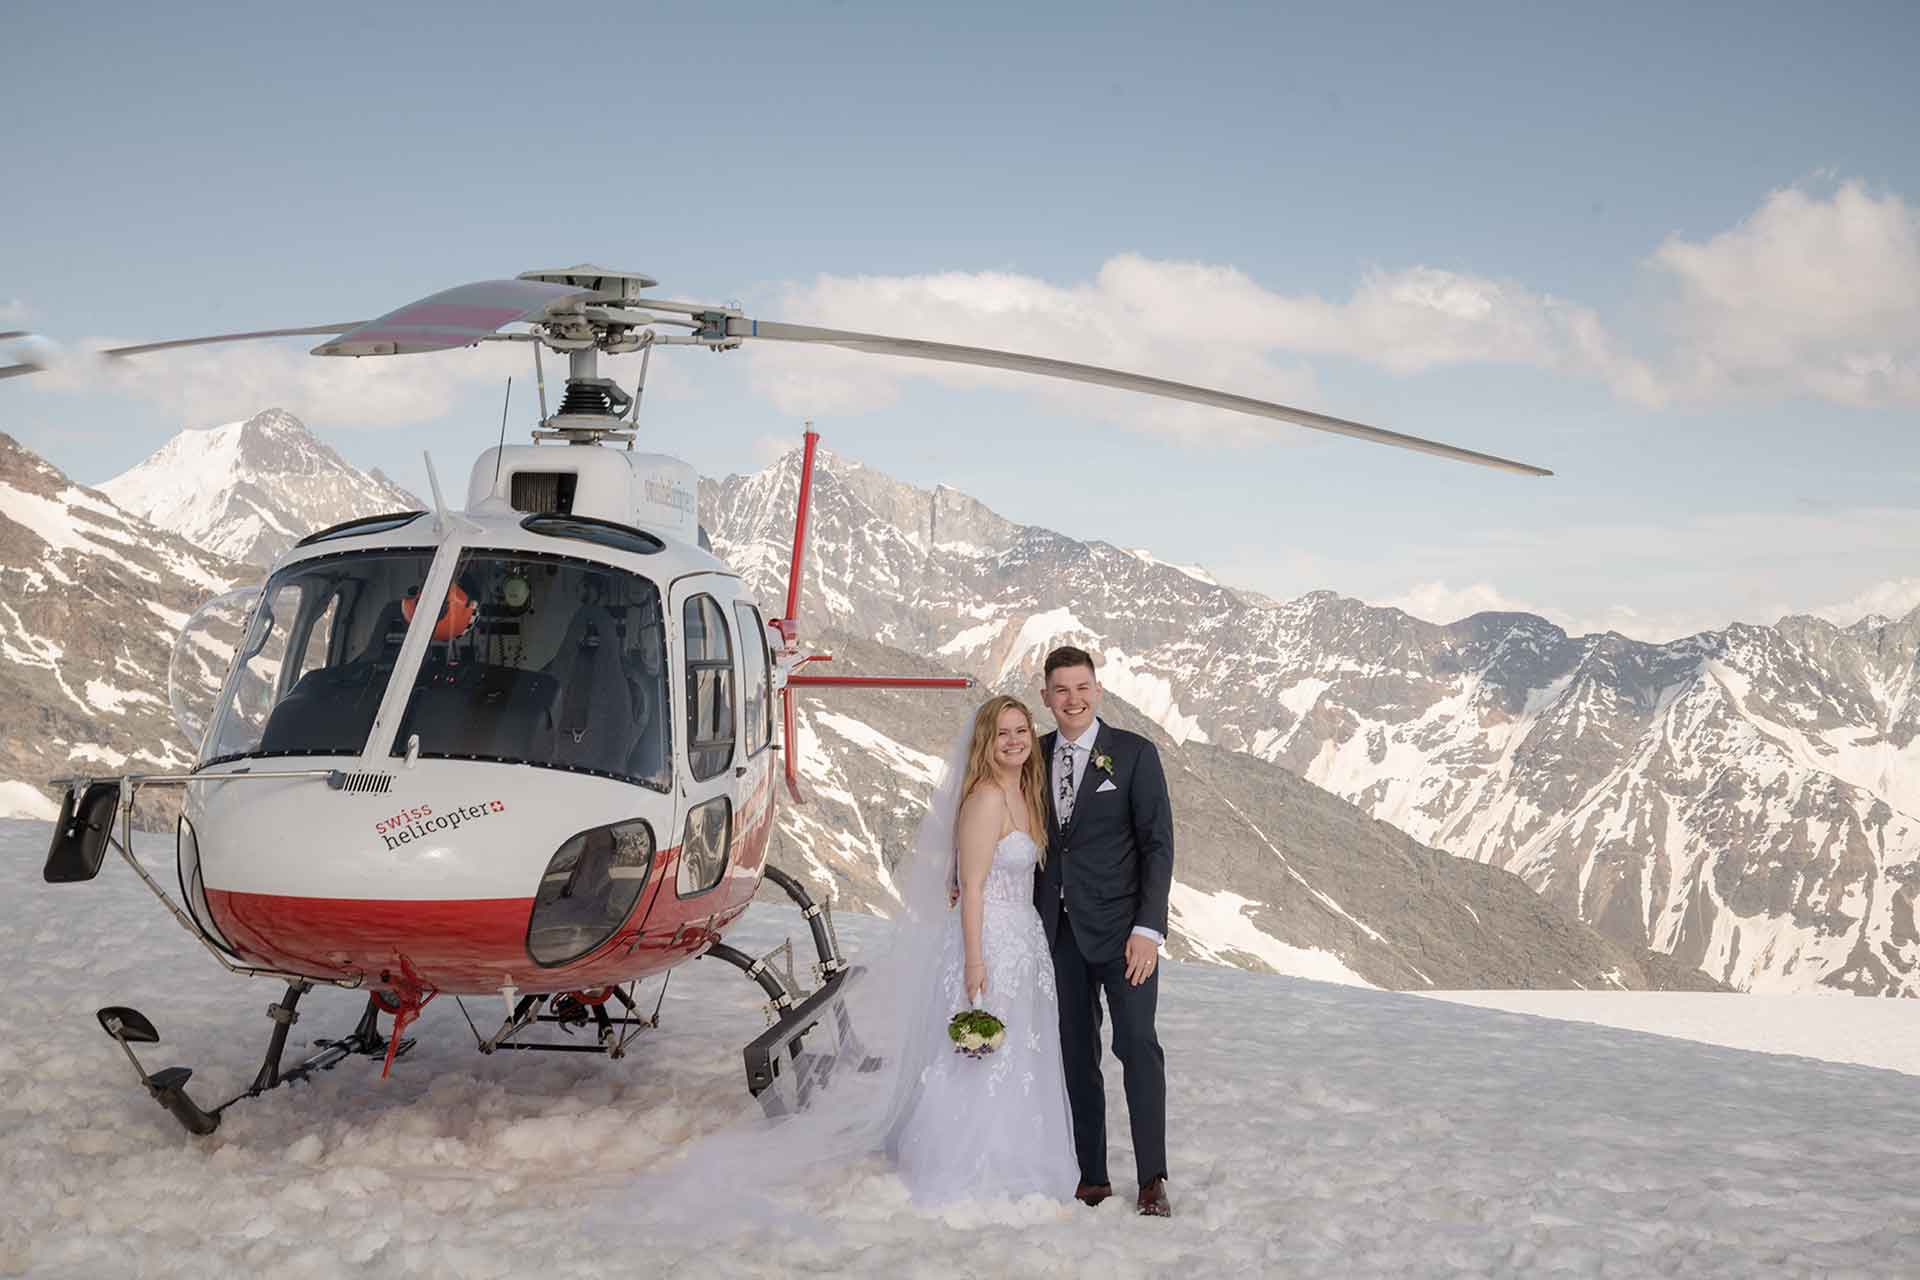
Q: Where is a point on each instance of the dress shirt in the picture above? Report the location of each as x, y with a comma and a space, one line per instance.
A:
1082, 755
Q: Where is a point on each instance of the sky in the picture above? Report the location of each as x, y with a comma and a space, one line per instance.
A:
1670, 252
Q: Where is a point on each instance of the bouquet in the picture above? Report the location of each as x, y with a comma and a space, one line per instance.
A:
976, 1033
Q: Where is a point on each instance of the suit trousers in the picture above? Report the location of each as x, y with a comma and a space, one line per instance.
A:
1143, 1065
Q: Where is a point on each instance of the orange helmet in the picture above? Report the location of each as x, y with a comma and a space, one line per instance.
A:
456, 613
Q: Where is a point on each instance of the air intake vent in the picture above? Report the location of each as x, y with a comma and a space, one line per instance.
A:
543, 492
372, 784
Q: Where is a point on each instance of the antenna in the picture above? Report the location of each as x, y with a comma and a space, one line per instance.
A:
502, 447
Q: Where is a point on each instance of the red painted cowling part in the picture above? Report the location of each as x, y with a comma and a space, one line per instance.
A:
800, 531
883, 682
789, 626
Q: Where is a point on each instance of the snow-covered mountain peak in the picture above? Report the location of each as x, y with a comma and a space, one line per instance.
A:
1746, 800
249, 490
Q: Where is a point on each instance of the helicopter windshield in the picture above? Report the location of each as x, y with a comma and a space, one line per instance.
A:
317, 656
545, 660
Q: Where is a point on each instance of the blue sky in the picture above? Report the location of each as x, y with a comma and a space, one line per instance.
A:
1671, 252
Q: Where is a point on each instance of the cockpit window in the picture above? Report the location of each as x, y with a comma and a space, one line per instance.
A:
317, 655
605, 533
546, 660
363, 526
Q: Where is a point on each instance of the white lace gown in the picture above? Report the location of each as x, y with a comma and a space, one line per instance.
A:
997, 1126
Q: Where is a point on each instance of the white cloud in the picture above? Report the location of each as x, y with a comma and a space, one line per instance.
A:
1437, 602
769, 449
1191, 322
1808, 296
1894, 598
226, 383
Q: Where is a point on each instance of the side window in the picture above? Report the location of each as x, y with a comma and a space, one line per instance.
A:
703, 851
709, 688
754, 678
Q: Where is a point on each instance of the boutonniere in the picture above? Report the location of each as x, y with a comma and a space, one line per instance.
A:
1103, 762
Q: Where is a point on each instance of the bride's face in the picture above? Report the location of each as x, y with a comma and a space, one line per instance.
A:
1012, 739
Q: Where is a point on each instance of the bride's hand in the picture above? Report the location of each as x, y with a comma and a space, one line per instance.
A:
976, 980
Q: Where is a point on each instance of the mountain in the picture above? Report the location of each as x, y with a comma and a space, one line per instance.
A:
249, 490
1271, 871
1744, 801
1274, 873
91, 598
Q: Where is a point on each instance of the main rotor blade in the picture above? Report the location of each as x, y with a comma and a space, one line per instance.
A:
144, 348
457, 317
23, 368
985, 357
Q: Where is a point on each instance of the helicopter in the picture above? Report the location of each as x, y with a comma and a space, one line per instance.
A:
530, 748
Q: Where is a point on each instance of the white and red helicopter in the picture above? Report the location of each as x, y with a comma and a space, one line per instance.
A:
525, 749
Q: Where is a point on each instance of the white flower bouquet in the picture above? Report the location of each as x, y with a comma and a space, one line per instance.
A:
976, 1033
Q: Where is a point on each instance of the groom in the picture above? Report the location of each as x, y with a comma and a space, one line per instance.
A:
1103, 897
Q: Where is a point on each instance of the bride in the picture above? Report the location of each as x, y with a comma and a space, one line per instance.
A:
955, 1127
997, 1126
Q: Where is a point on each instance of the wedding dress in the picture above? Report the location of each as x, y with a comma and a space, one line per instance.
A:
955, 1127
997, 1126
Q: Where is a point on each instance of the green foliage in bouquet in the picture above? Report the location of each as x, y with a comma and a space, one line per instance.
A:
976, 1033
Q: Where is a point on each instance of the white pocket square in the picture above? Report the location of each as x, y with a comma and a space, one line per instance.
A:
1105, 786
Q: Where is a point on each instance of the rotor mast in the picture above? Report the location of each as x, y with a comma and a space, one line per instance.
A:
593, 408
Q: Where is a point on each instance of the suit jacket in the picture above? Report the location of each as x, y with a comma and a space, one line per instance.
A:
1114, 860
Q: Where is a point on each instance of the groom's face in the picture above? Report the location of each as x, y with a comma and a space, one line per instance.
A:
1073, 695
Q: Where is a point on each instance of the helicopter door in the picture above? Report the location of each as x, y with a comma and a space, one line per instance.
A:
711, 751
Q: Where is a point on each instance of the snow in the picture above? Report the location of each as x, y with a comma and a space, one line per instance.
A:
1316, 1130
1153, 694
50, 520
24, 800
1838, 1028
105, 697
170, 488
1217, 923
970, 639
1193, 571
1041, 631
916, 765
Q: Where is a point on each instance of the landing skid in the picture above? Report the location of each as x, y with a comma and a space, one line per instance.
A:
168, 1086
783, 1071
572, 1011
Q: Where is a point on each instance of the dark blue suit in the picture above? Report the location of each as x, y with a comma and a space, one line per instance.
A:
1109, 869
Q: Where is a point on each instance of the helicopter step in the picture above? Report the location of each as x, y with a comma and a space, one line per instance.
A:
168, 1086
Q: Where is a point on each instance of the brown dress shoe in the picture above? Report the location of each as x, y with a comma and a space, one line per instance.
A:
1092, 1193
1153, 1200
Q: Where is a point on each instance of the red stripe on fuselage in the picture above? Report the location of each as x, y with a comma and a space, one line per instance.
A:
455, 946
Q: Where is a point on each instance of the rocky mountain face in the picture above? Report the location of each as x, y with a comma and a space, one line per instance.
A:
1744, 801
1272, 872
249, 490
91, 598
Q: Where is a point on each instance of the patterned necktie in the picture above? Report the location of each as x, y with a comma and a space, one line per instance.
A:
1064, 805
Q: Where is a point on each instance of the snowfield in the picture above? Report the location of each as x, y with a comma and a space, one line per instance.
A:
1317, 1130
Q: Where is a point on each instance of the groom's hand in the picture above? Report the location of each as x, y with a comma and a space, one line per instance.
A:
1142, 955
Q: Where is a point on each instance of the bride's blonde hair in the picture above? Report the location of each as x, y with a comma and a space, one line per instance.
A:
1033, 774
